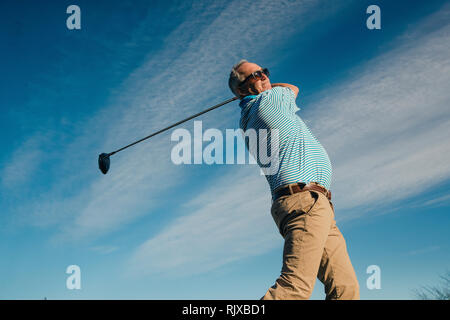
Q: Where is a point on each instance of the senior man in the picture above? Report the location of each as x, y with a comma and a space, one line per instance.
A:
301, 208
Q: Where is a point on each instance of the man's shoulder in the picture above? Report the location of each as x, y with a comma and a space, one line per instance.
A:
266, 101
280, 90
276, 96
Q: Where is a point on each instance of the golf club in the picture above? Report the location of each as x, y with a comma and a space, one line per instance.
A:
104, 161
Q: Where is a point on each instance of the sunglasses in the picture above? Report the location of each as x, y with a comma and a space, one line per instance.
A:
257, 75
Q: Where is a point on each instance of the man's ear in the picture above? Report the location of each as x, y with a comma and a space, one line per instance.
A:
244, 91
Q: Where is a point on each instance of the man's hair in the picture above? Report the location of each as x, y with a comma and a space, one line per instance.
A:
236, 78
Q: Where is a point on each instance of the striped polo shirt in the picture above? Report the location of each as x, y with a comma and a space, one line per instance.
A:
301, 156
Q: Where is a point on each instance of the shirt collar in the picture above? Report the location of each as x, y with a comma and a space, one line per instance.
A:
246, 99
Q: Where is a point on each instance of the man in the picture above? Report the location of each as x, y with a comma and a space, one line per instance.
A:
302, 208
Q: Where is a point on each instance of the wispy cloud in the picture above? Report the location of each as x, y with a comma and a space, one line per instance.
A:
423, 250
440, 201
386, 129
104, 249
372, 125
23, 163
183, 78
228, 221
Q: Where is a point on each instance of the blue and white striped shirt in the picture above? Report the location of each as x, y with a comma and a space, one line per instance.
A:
301, 156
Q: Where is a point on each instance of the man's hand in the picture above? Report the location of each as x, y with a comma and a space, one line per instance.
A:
290, 86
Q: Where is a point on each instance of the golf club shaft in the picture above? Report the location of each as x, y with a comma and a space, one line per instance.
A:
175, 124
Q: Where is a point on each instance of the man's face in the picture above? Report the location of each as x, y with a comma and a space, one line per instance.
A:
253, 86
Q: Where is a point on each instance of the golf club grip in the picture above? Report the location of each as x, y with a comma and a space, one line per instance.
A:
176, 124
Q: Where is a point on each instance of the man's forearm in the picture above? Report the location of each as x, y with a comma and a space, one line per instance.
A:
287, 85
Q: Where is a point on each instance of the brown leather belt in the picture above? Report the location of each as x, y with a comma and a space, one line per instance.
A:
299, 187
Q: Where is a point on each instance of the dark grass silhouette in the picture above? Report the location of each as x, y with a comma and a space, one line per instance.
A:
437, 292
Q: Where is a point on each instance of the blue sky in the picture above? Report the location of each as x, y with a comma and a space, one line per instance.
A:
149, 229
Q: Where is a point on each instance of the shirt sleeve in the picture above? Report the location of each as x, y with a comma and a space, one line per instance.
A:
283, 98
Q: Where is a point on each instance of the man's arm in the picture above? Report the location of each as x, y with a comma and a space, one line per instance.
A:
290, 86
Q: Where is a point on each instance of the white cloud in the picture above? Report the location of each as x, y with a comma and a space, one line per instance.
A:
439, 201
423, 250
228, 221
104, 249
386, 129
23, 163
183, 78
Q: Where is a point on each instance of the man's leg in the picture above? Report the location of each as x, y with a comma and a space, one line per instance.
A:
336, 271
307, 220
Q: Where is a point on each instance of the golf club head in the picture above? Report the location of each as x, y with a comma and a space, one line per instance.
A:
103, 162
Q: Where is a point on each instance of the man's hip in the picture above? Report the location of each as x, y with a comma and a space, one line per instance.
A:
314, 247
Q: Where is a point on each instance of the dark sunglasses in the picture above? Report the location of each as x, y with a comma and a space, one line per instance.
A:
257, 75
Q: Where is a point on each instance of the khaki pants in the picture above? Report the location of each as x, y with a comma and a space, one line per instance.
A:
314, 248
